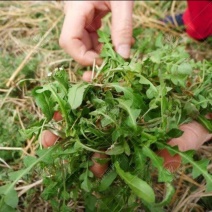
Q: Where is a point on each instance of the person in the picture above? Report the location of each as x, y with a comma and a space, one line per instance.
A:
80, 40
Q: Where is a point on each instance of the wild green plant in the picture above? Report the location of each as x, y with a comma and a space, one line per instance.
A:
129, 111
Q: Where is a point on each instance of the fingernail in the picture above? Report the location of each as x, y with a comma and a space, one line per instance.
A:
124, 50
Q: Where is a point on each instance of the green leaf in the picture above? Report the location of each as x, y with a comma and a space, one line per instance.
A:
128, 92
140, 159
33, 130
163, 174
115, 149
168, 197
7, 208
191, 110
138, 186
50, 191
151, 93
156, 56
133, 113
14, 175
144, 81
90, 202
44, 101
203, 164
9, 198
103, 37
205, 122
86, 184
126, 148
63, 106
174, 133
28, 160
184, 69
107, 180
62, 77
78, 144
199, 168
10, 188
76, 94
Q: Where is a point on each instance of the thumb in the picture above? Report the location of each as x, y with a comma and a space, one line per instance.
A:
122, 26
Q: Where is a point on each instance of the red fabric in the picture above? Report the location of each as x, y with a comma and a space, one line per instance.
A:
198, 19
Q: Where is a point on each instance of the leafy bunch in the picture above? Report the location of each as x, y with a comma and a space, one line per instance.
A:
129, 111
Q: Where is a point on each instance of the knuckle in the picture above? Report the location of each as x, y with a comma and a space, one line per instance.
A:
124, 31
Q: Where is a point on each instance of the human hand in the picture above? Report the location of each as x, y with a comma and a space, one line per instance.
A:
193, 137
82, 20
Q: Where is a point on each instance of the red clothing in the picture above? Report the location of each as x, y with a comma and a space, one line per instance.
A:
198, 19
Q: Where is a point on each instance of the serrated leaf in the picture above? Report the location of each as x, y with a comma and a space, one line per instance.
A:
76, 94
203, 164
138, 186
156, 56
107, 180
199, 169
103, 36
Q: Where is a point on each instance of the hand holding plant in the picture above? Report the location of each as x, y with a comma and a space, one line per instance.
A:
126, 114
79, 36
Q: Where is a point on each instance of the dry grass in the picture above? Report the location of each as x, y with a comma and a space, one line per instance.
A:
29, 48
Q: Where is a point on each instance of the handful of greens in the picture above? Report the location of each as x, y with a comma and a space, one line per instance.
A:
129, 110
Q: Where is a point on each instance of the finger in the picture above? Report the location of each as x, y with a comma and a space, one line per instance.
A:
122, 26
57, 116
209, 116
98, 169
97, 21
87, 76
170, 162
95, 43
72, 34
48, 138
193, 137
